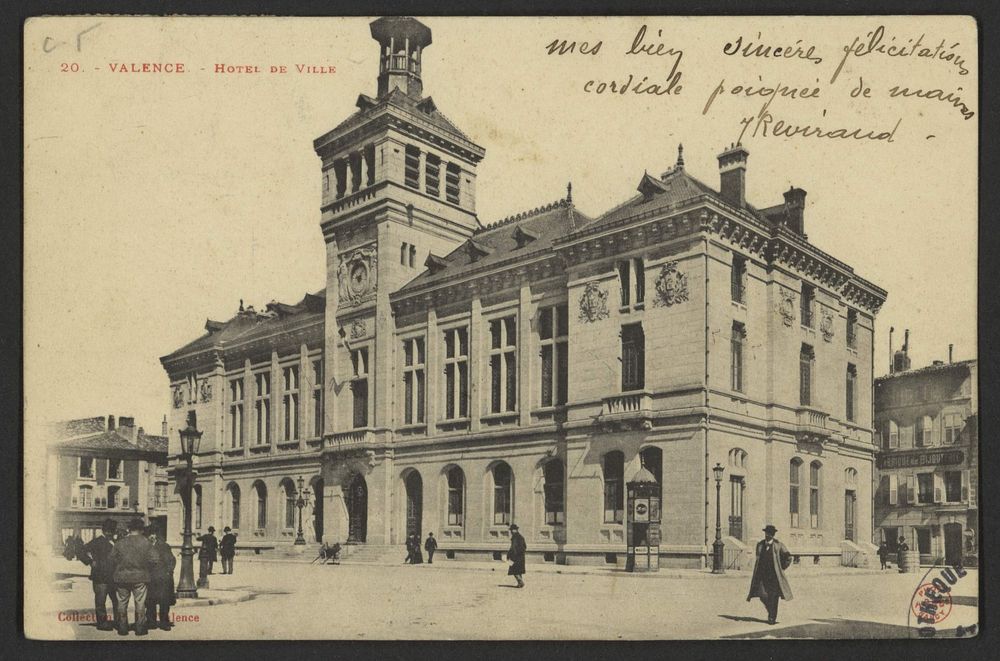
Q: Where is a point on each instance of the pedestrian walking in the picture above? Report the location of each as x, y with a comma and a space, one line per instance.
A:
769, 582
207, 554
418, 555
883, 553
160, 596
901, 550
227, 549
409, 550
515, 555
97, 555
430, 546
134, 561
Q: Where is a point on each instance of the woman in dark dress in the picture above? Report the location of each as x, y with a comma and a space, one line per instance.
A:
416, 555
515, 555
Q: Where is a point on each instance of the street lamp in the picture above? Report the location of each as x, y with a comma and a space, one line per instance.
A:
718, 546
190, 438
301, 501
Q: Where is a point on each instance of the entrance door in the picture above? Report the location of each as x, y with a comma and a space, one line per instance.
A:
357, 510
737, 485
318, 509
952, 543
850, 514
414, 504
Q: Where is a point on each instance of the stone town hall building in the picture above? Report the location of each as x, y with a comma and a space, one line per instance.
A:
454, 377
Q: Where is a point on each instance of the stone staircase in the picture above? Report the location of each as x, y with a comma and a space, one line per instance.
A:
372, 554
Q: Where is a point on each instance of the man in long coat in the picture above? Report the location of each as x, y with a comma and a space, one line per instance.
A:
207, 554
160, 595
227, 549
769, 582
97, 554
515, 555
134, 561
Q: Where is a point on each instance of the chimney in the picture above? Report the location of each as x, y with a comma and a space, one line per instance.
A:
126, 427
732, 175
951, 348
163, 425
901, 359
795, 204
111, 423
892, 329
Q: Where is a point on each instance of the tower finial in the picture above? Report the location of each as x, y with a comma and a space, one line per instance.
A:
680, 156
241, 305
569, 192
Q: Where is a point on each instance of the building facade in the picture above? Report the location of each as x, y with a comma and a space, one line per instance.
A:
457, 377
98, 470
928, 462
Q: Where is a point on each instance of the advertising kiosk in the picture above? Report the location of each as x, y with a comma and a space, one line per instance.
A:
643, 525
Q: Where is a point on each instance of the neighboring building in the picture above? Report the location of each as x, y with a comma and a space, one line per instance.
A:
99, 471
455, 378
928, 465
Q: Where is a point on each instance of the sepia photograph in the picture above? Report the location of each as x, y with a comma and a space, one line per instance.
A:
506, 328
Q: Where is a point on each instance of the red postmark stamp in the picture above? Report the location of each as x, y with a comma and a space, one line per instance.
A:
930, 605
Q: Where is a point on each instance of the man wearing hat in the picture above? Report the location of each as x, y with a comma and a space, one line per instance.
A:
97, 555
769, 582
515, 554
207, 554
134, 560
227, 549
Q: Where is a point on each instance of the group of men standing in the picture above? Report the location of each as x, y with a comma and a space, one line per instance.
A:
140, 567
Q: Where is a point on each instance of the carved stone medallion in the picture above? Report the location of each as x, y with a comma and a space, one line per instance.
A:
786, 307
357, 275
593, 303
358, 329
671, 286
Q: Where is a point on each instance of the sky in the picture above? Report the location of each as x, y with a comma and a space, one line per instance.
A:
156, 201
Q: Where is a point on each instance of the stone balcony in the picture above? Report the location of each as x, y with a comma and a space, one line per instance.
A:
812, 425
632, 409
349, 440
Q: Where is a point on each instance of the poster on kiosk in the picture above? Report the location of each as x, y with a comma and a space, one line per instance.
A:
643, 530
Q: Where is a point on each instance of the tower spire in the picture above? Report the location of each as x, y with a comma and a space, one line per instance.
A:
569, 192
680, 156
401, 40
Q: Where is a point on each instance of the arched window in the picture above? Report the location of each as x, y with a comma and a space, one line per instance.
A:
652, 460
554, 476
614, 487
814, 476
503, 493
794, 467
456, 496
289, 490
233, 491
197, 507
260, 491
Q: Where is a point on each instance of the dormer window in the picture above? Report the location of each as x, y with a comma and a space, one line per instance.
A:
434, 263
523, 237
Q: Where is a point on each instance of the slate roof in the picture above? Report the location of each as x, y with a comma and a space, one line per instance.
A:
250, 324
113, 444
498, 242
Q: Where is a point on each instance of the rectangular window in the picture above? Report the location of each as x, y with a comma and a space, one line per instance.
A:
413, 256
806, 357
413, 380
114, 469
632, 282
625, 283
953, 425
633, 357
851, 392
317, 397
411, 167
290, 401
262, 407
925, 488
893, 489
456, 373
736, 355
236, 413
852, 328
806, 305
359, 386
87, 467
614, 494
160, 496
432, 175
86, 497
453, 174
403, 252
503, 365
893, 435
922, 431
793, 493
814, 495
553, 336
738, 279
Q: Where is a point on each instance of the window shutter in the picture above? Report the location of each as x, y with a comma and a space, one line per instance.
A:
893, 489
911, 489
123, 495
938, 487
965, 485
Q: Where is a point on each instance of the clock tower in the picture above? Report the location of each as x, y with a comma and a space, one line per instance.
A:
398, 182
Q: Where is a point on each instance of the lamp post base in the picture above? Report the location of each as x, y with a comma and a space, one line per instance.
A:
717, 557
187, 593
300, 541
